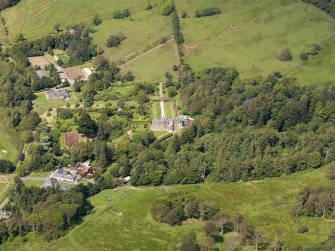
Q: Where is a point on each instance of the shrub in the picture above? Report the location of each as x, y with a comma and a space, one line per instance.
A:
166, 7
303, 229
314, 50
120, 14
210, 12
172, 91
284, 54
163, 40
113, 41
304, 56
148, 6
184, 14
96, 21
6, 166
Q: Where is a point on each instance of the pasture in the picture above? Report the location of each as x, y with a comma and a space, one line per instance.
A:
248, 34
122, 219
35, 19
152, 65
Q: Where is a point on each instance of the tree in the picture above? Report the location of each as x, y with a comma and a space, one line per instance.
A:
189, 243
113, 41
57, 28
284, 54
210, 228
148, 6
27, 137
304, 56
166, 7
6, 166
192, 209
208, 243
87, 126
257, 238
221, 222
96, 20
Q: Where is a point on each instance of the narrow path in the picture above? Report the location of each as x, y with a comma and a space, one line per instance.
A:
147, 52
161, 95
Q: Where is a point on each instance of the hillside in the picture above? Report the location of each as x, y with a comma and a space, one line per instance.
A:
246, 35
122, 220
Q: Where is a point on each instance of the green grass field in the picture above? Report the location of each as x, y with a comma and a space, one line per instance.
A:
122, 219
35, 19
248, 35
33, 183
169, 111
10, 142
156, 110
152, 65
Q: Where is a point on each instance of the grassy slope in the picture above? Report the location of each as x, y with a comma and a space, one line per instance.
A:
153, 65
36, 18
9, 141
122, 219
260, 29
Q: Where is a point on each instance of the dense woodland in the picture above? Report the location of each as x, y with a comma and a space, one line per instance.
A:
49, 212
325, 5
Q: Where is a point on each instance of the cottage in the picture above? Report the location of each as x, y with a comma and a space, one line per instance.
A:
60, 94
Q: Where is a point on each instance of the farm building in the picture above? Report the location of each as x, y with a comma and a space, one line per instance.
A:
61, 94
172, 125
74, 73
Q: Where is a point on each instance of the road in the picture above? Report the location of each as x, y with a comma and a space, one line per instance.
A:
161, 95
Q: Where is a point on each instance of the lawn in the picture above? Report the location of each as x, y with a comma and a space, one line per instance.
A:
248, 35
156, 110
42, 104
122, 219
33, 183
169, 110
10, 142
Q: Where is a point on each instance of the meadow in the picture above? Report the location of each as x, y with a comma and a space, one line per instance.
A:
10, 142
122, 219
248, 34
35, 19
